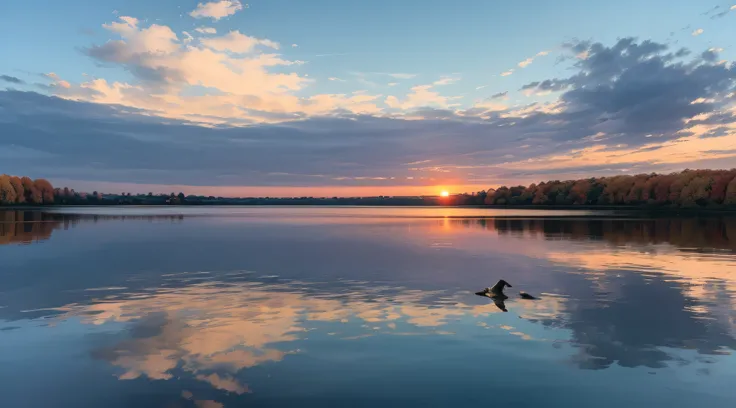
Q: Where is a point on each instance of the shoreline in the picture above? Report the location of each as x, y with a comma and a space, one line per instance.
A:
649, 210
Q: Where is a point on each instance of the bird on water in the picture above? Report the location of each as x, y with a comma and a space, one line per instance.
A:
496, 291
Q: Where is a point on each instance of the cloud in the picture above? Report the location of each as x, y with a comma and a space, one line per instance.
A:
634, 93
336, 79
217, 9
401, 76
447, 80
545, 87
294, 45
528, 61
722, 13
422, 96
11, 79
500, 95
206, 30
697, 32
234, 65
392, 83
507, 73
57, 81
236, 42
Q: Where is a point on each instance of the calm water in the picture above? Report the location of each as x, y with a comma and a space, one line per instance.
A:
362, 307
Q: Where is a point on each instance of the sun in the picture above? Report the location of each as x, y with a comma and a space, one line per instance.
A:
444, 194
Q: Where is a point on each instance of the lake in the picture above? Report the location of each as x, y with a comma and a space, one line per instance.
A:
320, 307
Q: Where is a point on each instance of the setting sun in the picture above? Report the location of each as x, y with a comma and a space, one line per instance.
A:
444, 194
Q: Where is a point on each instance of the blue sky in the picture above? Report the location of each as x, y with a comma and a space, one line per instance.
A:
290, 64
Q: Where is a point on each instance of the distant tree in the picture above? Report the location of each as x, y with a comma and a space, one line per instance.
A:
719, 185
45, 190
730, 198
32, 194
579, 192
7, 192
18, 187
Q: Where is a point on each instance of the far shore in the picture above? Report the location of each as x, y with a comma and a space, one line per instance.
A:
640, 209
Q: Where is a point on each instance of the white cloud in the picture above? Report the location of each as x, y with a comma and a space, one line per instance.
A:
206, 30
236, 42
698, 32
507, 73
526, 62
402, 76
733, 7
57, 82
187, 37
419, 97
294, 45
336, 79
393, 83
217, 9
446, 80
478, 88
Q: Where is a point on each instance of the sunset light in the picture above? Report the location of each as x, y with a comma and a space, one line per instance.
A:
444, 194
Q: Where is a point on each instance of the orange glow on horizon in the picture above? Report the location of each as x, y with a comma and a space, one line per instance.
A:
444, 194
271, 191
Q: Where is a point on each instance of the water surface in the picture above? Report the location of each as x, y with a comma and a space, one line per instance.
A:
212, 307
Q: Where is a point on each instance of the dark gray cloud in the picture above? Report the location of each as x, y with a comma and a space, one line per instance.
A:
11, 79
500, 95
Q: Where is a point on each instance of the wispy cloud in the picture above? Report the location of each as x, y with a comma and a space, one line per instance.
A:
206, 30
447, 80
478, 88
401, 75
500, 95
528, 61
722, 13
11, 79
330, 55
234, 41
217, 9
698, 32
294, 45
336, 79
507, 73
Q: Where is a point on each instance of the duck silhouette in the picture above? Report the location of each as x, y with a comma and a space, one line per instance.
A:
496, 294
495, 291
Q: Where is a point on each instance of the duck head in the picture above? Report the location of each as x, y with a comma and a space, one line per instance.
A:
499, 286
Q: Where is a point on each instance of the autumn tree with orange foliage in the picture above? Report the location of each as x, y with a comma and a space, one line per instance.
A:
686, 189
24, 190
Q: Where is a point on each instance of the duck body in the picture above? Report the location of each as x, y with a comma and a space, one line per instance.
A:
495, 291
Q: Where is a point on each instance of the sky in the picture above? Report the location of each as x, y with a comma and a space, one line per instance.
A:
325, 98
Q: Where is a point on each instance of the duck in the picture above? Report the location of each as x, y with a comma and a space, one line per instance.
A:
496, 292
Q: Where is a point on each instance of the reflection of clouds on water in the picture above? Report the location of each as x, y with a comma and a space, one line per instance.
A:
215, 330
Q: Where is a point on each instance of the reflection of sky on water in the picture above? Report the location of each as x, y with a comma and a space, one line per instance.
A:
200, 312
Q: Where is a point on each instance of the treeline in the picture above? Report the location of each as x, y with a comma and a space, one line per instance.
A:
686, 189
24, 190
